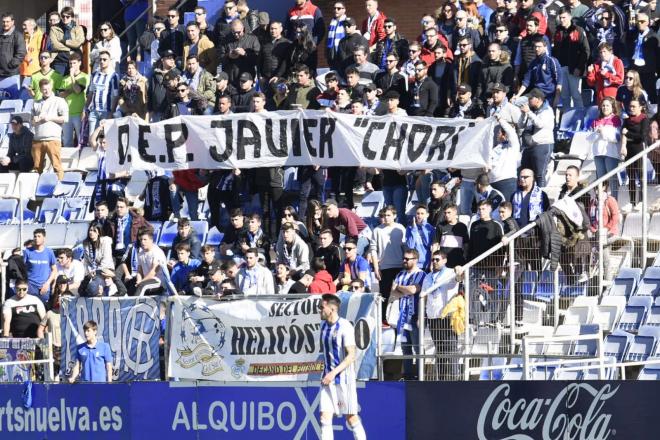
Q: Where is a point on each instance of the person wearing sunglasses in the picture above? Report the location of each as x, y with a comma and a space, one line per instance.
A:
439, 287
336, 31
22, 314
65, 37
103, 92
405, 289
393, 43
354, 266
529, 201
240, 53
174, 35
45, 71
644, 44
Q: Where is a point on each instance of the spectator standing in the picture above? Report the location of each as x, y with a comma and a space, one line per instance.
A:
347, 46
496, 69
353, 267
507, 42
19, 155
423, 92
173, 37
442, 74
432, 40
45, 72
544, 73
64, 38
419, 235
606, 74
303, 50
391, 79
389, 242
253, 278
633, 137
242, 98
93, 358
644, 44
503, 159
392, 43
631, 89
451, 237
462, 29
406, 288
343, 221
107, 41
529, 201
336, 31
571, 49
525, 52
201, 81
366, 69
306, 12
125, 227
464, 106
222, 29
604, 141
438, 293
22, 314
275, 55
102, 93
34, 41
40, 264
484, 234
12, 47
72, 89
133, 92
48, 116
538, 134
201, 19
240, 53
199, 45
157, 92
467, 66
373, 27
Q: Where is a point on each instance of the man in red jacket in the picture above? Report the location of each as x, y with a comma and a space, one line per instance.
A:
373, 27
323, 282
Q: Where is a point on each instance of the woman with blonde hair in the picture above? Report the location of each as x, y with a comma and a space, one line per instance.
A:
631, 89
106, 40
475, 21
34, 39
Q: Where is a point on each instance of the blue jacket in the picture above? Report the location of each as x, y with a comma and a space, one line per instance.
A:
420, 237
544, 73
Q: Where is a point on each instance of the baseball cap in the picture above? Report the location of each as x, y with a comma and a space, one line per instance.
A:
17, 119
167, 53
221, 75
536, 93
349, 21
499, 87
371, 87
245, 76
464, 88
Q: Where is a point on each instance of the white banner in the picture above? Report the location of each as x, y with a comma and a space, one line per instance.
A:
294, 138
262, 340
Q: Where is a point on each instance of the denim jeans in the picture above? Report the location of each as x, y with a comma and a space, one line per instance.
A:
423, 187
506, 186
94, 117
396, 196
309, 179
571, 88
605, 164
537, 158
466, 194
410, 345
69, 128
193, 204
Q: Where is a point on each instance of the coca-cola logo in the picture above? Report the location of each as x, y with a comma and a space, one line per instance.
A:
563, 417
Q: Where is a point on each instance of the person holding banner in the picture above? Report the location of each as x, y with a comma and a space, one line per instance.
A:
338, 385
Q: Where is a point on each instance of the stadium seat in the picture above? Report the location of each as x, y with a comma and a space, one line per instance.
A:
167, 234
653, 317
291, 179
513, 374
86, 189
69, 184
625, 282
493, 374
69, 158
587, 97
368, 209
574, 290
9, 236
136, 185
29, 215
650, 283
76, 209
562, 348
214, 237
578, 315
26, 185
56, 235
609, 372
10, 87
7, 210
642, 346
545, 372
528, 281
7, 183
50, 210
486, 340
75, 234
634, 313
632, 227
546, 286
561, 374
201, 228
590, 116
649, 372
608, 312
616, 344
46, 186
587, 347
11, 106
571, 122
27, 107
88, 160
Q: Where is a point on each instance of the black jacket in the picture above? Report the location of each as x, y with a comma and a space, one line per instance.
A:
12, 52
345, 50
173, 39
20, 151
649, 51
571, 48
550, 240
474, 72
494, 72
397, 82
473, 111
426, 94
274, 57
398, 44
157, 99
241, 101
442, 74
248, 63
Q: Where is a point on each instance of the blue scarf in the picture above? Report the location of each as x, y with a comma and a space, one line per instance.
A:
407, 304
336, 31
535, 203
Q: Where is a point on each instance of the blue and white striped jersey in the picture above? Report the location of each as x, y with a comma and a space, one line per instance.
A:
334, 340
104, 86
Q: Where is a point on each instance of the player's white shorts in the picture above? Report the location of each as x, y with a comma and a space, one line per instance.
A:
339, 399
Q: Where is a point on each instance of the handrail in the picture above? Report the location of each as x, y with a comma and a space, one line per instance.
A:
133, 23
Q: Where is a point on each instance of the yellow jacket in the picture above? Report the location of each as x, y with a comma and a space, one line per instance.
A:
456, 307
30, 63
206, 54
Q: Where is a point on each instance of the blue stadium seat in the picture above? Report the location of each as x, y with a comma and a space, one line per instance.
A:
214, 237
11, 105
546, 287
641, 348
587, 347
528, 281
75, 209
7, 184
7, 210
46, 185
625, 282
650, 372
634, 313
574, 290
590, 116
29, 215
587, 97
291, 179
571, 121
493, 374
543, 372
616, 344
609, 372
50, 210
653, 317
86, 189
167, 234
201, 228
69, 184
157, 226
10, 87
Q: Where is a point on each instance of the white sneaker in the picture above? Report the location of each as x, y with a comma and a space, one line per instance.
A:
626, 208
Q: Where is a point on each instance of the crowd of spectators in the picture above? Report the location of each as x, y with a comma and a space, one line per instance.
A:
522, 63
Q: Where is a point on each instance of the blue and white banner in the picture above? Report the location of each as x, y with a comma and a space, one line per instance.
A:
12, 350
262, 340
131, 326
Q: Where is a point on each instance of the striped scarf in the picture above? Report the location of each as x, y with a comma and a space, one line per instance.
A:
336, 31
535, 203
